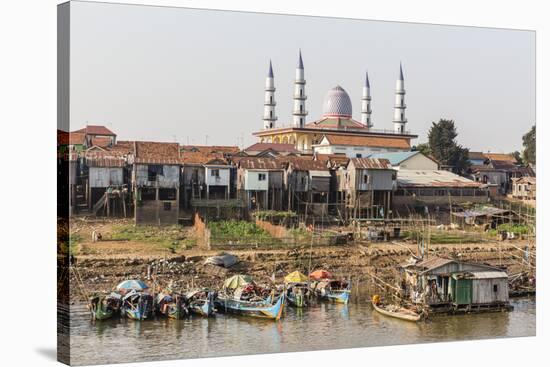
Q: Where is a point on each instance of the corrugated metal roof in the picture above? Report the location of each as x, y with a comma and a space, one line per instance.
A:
279, 148
486, 211
370, 163
433, 178
433, 263
493, 274
325, 173
395, 158
253, 163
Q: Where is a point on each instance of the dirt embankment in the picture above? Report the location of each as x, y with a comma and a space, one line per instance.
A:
101, 265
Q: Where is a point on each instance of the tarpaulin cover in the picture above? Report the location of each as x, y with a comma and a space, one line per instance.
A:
320, 274
237, 281
296, 277
226, 260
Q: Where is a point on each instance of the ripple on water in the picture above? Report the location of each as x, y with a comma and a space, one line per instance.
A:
323, 326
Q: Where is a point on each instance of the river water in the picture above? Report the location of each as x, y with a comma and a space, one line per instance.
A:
322, 326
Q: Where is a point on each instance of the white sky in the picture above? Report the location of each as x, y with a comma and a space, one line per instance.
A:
165, 74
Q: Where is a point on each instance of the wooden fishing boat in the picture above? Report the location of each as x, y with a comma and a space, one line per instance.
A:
174, 307
333, 290
397, 312
137, 305
201, 301
104, 307
260, 309
297, 294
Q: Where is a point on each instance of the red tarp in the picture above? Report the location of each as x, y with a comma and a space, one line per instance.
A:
320, 274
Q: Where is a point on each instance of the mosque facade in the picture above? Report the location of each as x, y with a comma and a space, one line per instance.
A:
336, 131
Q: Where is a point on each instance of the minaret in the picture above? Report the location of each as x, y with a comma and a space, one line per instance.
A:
365, 104
300, 97
399, 119
269, 103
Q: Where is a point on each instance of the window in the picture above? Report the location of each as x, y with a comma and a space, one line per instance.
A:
358, 155
154, 170
261, 176
167, 206
366, 179
215, 173
495, 287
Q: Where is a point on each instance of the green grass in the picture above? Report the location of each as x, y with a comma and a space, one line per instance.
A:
515, 228
170, 237
237, 231
446, 237
74, 243
274, 215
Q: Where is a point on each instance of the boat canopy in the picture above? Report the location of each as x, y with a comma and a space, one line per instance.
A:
320, 274
296, 277
237, 281
135, 284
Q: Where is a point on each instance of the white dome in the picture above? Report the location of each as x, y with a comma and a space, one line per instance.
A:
337, 103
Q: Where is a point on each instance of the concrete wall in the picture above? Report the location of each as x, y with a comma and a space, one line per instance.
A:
105, 176
419, 162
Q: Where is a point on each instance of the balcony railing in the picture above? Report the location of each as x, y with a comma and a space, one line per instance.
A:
345, 129
300, 112
299, 96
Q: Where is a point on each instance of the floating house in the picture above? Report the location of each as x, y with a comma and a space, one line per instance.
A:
449, 284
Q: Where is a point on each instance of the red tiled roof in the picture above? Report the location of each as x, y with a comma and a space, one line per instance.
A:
501, 157
101, 141
95, 130
147, 152
77, 139
260, 147
369, 141
370, 163
201, 158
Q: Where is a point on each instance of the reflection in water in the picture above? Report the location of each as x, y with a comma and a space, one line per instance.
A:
321, 326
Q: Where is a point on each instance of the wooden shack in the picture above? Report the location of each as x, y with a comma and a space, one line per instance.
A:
449, 284
369, 183
260, 183
155, 182
308, 186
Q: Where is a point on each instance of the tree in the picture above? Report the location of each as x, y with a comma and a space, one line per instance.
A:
423, 148
530, 146
517, 156
444, 148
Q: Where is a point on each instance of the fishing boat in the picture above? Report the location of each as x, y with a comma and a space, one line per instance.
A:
137, 305
104, 307
201, 301
297, 289
333, 290
260, 309
398, 312
174, 307
241, 295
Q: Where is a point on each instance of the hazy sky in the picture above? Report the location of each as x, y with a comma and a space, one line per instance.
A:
165, 74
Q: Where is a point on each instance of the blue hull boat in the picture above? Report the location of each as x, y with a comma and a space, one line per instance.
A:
254, 309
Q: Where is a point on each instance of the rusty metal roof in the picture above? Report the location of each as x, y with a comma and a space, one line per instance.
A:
257, 163
370, 163
98, 158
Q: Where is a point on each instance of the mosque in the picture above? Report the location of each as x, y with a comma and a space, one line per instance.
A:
335, 131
